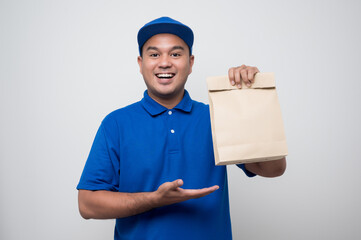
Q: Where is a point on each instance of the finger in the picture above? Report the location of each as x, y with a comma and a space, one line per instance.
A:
177, 183
237, 77
212, 189
251, 73
197, 193
204, 192
169, 186
244, 76
231, 76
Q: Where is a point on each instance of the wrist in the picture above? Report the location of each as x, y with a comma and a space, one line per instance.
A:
153, 199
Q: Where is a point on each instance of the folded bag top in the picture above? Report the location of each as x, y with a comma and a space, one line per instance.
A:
261, 80
246, 123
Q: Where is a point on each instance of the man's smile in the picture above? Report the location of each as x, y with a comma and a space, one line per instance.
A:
165, 78
165, 75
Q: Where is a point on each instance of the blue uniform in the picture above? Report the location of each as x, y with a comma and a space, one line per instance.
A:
139, 147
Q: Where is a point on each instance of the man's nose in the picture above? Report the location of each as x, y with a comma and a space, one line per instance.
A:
165, 62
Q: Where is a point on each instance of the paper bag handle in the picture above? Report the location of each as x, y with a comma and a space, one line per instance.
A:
261, 80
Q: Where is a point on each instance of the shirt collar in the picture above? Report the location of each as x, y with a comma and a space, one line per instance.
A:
154, 108
186, 104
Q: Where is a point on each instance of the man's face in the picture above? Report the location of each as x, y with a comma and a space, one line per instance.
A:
165, 66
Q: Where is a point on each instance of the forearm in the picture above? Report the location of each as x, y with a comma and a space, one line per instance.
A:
109, 205
273, 168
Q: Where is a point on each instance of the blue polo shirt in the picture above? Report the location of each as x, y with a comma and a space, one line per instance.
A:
139, 147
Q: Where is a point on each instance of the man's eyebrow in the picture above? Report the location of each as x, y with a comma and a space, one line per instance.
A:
177, 47
152, 48
157, 49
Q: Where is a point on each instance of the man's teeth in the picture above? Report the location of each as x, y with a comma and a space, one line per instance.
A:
165, 75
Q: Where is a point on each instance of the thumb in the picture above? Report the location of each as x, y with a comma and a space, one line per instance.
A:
177, 183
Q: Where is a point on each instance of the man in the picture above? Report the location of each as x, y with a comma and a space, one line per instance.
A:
151, 165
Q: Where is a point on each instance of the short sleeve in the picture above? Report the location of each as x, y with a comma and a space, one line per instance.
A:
101, 171
248, 173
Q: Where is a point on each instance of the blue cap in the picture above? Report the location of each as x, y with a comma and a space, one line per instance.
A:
165, 25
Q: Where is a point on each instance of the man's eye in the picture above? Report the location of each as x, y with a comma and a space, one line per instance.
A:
175, 54
154, 55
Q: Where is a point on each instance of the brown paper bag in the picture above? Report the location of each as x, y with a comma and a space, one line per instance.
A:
246, 123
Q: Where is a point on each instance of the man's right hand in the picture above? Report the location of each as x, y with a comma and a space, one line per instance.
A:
171, 192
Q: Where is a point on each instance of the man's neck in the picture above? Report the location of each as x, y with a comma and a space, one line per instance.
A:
170, 102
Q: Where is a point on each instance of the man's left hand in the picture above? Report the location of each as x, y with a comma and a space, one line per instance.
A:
243, 73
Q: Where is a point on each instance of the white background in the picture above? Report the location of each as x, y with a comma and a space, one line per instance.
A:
64, 65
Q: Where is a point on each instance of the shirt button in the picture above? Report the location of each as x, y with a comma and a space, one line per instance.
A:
172, 131
169, 112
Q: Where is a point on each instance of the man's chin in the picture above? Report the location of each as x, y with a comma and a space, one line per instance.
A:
165, 81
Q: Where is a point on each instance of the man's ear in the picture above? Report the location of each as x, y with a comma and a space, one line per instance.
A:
191, 62
140, 62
